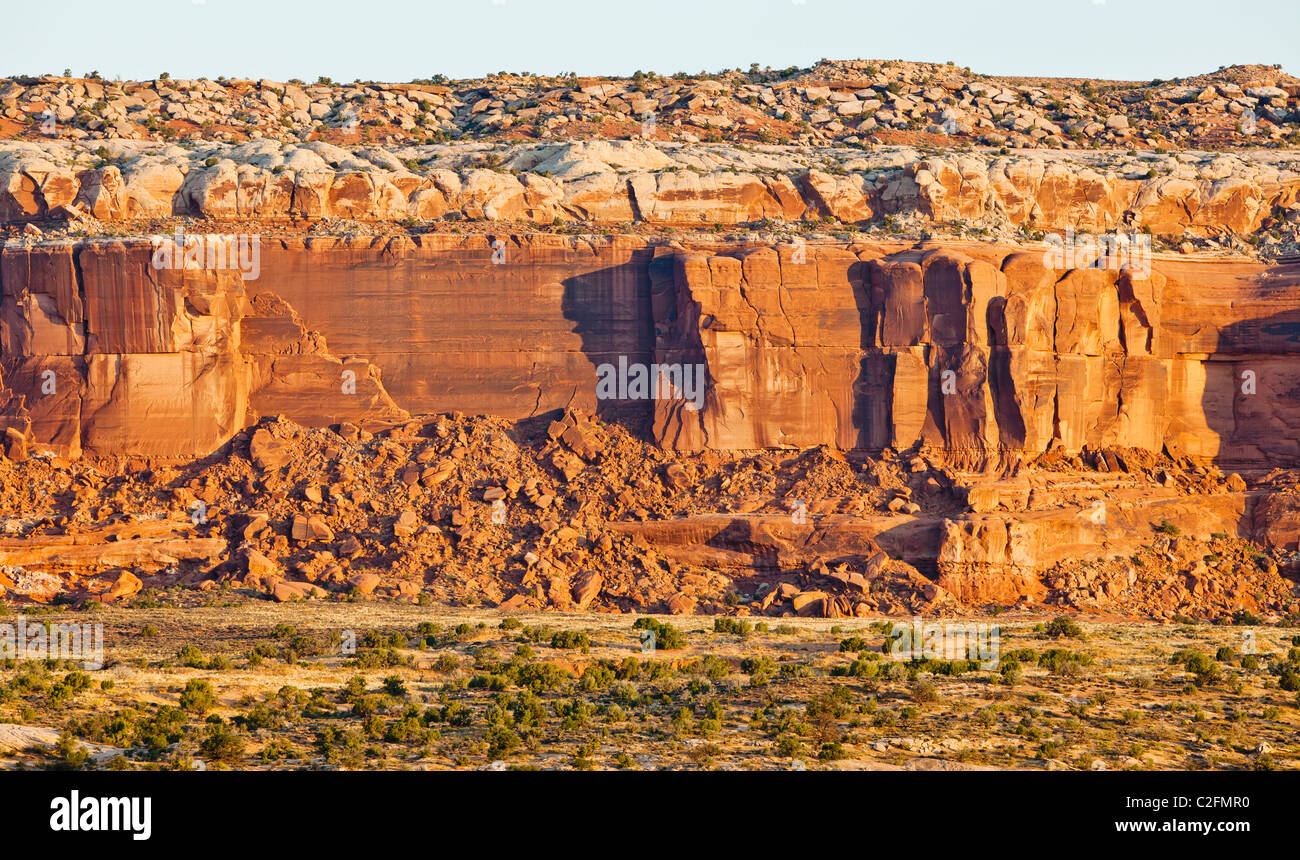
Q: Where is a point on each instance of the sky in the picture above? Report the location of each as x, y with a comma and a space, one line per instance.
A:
395, 40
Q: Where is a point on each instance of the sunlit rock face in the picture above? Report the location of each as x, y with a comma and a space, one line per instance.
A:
988, 353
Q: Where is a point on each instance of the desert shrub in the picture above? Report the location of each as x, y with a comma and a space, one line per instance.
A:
852, 644
595, 677
924, 693
832, 751
336, 743
68, 686
1289, 679
863, 667
788, 746
712, 666
1062, 661
1198, 663
160, 730
375, 658
575, 713
1264, 761
403, 730
667, 637
191, 656
197, 697
501, 741
952, 668
277, 750
571, 639
542, 676
734, 626
455, 714
834, 702
1063, 627
72, 754
222, 743
625, 694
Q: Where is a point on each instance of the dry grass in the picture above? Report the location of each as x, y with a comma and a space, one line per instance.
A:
464, 693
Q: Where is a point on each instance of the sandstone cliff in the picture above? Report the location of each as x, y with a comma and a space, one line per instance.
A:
980, 351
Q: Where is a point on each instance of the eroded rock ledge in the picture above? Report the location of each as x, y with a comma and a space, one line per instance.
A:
1185, 194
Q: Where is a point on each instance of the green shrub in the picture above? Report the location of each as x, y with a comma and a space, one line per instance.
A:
197, 697
1289, 680
571, 639
667, 637
788, 746
222, 743
853, 643
866, 666
1198, 663
1063, 627
191, 656
734, 626
1061, 661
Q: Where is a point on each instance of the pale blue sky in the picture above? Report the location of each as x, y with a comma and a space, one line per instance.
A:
394, 40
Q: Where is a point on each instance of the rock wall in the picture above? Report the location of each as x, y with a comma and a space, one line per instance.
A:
171, 363
974, 349
102, 351
983, 352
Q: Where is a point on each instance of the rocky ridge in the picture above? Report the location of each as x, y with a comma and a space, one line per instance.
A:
857, 102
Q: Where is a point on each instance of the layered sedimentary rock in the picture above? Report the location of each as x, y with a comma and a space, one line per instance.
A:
663, 184
981, 351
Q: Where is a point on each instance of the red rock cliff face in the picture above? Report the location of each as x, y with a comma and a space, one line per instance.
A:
102, 351
497, 325
984, 353
975, 349
171, 363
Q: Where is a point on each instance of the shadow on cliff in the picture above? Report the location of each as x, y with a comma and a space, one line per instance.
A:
1251, 398
611, 311
870, 398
